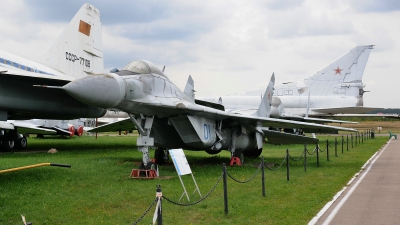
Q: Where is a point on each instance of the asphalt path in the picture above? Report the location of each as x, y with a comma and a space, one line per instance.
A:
372, 197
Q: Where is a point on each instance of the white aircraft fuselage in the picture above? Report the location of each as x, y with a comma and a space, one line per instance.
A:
337, 88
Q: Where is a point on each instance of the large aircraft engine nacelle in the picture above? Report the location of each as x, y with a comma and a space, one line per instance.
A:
197, 132
243, 140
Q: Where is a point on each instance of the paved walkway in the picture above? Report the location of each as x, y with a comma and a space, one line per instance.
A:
373, 197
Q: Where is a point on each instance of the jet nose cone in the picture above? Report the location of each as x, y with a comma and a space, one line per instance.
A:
103, 90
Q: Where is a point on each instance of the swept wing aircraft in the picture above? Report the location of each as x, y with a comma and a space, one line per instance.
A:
76, 53
166, 117
335, 89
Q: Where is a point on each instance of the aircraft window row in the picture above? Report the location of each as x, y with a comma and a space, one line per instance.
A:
281, 92
22, 67
288, 92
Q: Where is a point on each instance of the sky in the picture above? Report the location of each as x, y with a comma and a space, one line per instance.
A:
226, 46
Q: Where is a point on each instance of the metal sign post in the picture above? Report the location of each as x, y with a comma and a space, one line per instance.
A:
182, 168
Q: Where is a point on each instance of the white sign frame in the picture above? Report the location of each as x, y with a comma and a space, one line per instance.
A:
182, 168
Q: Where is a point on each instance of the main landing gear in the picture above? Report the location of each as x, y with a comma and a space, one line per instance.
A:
12, 140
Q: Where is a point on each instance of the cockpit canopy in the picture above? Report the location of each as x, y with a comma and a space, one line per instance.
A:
142, 67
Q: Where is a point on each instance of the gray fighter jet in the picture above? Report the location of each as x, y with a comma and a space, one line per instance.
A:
168, 118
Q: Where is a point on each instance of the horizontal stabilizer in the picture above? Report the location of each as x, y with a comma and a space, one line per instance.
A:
122, 125
345, 110
30, 128
6, 125
62, 131
276, 137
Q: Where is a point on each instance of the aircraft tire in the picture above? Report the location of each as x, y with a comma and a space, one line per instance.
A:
213, 152
159, 155
239, 153
21, 143
253, 153
150, 166
7, 146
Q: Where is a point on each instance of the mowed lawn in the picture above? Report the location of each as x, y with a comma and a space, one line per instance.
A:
97, 188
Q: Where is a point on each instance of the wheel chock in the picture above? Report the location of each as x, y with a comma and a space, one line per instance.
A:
235, 161
143, 174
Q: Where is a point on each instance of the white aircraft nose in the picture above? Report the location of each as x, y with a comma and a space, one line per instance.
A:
103, 90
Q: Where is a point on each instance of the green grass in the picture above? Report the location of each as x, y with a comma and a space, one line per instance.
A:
97, 188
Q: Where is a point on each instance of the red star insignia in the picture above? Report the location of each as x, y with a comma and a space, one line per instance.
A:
338, 70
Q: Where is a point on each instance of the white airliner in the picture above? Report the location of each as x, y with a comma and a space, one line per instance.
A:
76, 53
335, 89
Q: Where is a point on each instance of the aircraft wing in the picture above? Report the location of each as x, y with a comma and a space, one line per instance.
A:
345, 110
122, 125
164, 110
276, 137
280, 123
316, 120
29, 128
397, 116
30, 75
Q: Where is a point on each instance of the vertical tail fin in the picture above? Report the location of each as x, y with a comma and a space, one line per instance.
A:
341, 77
78, 50
189, 88
264, 109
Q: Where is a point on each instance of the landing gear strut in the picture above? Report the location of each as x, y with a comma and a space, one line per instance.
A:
144, 142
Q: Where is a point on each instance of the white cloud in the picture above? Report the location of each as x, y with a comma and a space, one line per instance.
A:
227, 46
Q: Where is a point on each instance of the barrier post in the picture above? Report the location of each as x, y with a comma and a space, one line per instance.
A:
356, 138
287, 164
327, 150
336, 146
351, 135
159, 210
305, 157
362, 137
262, 176
225, 188
317, 149
347, 142
342, 143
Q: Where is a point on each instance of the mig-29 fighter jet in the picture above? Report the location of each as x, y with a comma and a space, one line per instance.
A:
166, 117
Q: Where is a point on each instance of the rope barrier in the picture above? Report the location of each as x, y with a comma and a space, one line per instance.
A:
302, 154
145, 213
200, 200
251, 178
284, 159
